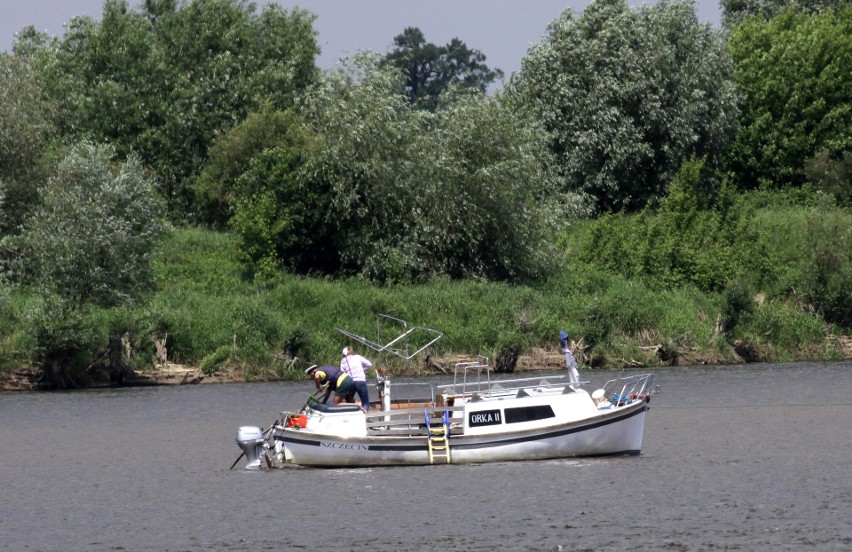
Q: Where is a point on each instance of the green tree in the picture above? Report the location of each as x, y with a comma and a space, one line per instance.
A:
89, 243
365, 131
627, 96
464, 192
429, 69
827, 280
832, 176
26, 128
91, 238
229, 62
493, 205
231, 154
252, 183
793, 74
700, 237
165, 80
281, 219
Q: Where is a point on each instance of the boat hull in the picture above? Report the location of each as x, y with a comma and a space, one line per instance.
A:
616, 432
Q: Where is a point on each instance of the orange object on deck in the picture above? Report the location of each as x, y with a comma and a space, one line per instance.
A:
299, 421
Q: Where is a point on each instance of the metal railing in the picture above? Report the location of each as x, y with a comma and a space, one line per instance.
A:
628, 389
399, 346
393, 346
483, 384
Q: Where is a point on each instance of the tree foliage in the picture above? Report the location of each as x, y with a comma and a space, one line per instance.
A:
380, 188
493, 204
832, 176
252, 183
26, 128
735, 12
697, 237
92, 237
429, 70
281, 219
231, 154
793, 74
87, 246
627, 96
165, 80
827, 284
25, 117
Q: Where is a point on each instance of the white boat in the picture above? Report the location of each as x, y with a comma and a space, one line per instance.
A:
505, 420
474, 419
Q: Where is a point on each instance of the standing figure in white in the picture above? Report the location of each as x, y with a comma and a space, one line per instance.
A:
570, 362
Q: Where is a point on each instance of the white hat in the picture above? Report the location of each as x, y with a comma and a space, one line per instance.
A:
311, 367
346, 350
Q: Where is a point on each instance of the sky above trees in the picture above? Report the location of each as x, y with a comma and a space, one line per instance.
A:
500, 29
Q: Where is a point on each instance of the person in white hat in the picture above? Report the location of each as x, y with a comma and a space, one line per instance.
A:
356, 366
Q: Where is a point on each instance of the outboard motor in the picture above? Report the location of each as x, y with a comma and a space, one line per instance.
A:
250, 439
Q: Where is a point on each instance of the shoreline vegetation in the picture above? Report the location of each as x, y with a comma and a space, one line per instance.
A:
185, 197
207, 323
177, 374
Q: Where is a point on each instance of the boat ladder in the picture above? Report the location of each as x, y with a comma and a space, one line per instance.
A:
438, 438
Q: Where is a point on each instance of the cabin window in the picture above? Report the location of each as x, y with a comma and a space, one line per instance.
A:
528, 414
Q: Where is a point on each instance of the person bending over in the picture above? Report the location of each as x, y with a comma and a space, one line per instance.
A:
333, 379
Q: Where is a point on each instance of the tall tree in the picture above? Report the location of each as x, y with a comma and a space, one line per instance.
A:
231, 154
793, 74
627, 96
164, 80
26, 128
91, 238
463, 192
89, 243
430, 69
280, 218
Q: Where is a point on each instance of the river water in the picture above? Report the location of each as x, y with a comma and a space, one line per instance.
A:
752, 457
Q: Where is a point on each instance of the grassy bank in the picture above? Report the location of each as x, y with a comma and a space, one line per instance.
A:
209, 316
215, 319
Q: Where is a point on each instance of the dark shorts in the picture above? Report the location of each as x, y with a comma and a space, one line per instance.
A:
346, 389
